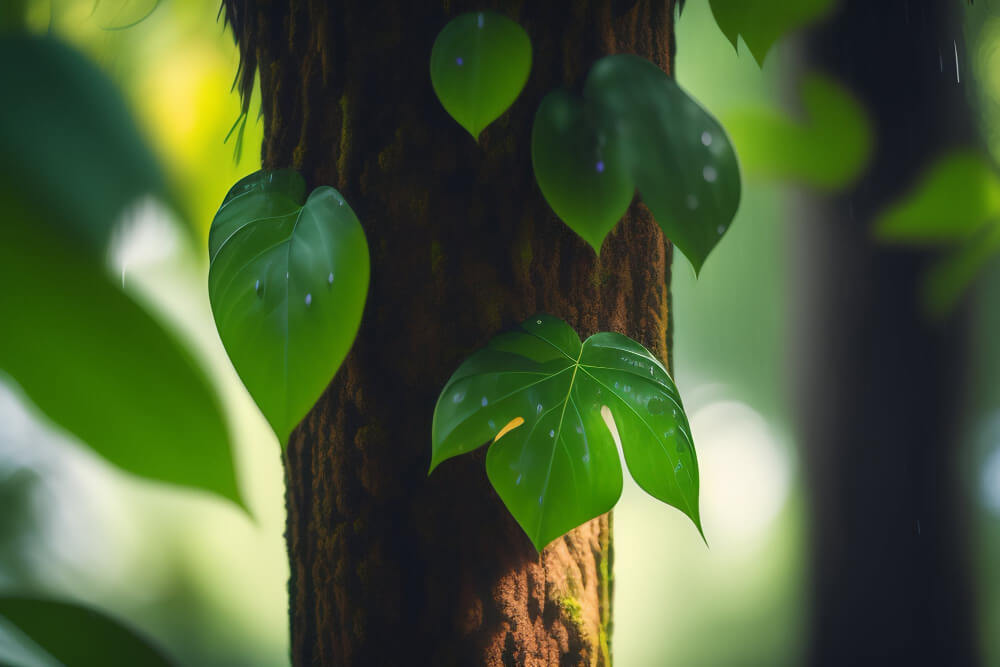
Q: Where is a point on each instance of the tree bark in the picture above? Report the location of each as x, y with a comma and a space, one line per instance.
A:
880, 383
388, 566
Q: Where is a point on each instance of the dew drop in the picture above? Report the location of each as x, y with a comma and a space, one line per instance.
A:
540, 499
538, 410
721, 229
458, 397
706, 138
552, 433
483, 402
256, 287
538, 321
329, 279
492, 424
627, 388
692, 202
656, 405
286, 275
678, 467
517, 481
479, 20
309, 299
586, 458
579, 429
599, 166
459, 61
710, 174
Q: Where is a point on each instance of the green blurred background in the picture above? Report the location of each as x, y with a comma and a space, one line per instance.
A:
177, 563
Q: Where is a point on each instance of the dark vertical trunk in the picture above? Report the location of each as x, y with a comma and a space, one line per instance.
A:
390, 567
878, 380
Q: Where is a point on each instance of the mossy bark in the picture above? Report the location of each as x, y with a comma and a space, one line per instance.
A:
390, 567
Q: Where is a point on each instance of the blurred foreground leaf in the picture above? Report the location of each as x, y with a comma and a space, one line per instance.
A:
68, 144
827, 149
762, 22
78, 636
97, 365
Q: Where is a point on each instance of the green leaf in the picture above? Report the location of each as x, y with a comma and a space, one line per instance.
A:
287, 282
762, 22
949, 278
78, 636
479, 64
828, 148
97, 365
679, 155
68, 144
545, 401
579, 167
956, 198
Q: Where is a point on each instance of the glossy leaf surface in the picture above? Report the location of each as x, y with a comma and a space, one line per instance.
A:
762, 22
679, 155
78, 636
479, 64
68, 145
579, 167
100, 367
288, 282
541, 397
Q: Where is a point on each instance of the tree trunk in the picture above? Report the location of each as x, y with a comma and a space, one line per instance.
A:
388, 566
879, 382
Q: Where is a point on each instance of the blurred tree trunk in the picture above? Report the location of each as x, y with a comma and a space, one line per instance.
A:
390, 567
879, 382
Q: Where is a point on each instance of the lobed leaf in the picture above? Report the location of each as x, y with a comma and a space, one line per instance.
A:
541, 397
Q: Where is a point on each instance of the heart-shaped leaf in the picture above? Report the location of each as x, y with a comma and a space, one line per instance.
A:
288, 283
479, 64
579, 167
762, 22
680, 157
546, 401
75, 635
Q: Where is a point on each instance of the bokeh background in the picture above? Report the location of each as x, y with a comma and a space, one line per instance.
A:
209, 582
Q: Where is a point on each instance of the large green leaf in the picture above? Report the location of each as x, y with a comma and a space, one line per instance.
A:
545, 401
288, 282
762, 22
678, 154
78, 636
579, 167
68, 145
828, 148
96, 364
479, 64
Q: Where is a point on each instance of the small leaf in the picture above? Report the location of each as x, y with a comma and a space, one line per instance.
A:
680, 157
579, 167
69, 146
762, 22
479, 64
97, 365
288, 282
556, 464
828, 149
78, 636
956, 198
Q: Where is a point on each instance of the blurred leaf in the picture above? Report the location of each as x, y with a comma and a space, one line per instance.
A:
762, 22
679, 156
828, 149
579, 167
78, 636
957, 197
950, 277
69, 146
100, 367
479, 64
545, 401
288, 283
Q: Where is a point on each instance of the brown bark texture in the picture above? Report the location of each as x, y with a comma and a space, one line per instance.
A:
390, 566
